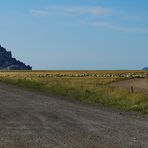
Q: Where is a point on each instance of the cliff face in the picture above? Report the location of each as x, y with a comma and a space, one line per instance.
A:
7, 62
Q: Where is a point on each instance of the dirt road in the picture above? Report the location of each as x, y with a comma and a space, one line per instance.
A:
29, 119
139, 85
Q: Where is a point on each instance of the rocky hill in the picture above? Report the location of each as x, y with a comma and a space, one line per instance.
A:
145, 68
7, 62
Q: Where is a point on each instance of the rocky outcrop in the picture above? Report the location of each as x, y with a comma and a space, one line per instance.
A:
145, 68
7, 62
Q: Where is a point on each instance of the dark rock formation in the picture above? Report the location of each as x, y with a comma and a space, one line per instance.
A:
7, 62
145, 68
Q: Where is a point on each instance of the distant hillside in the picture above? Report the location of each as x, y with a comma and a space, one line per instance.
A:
7, 62
145, 68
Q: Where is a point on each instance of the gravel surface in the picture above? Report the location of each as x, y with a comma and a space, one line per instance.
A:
29, 119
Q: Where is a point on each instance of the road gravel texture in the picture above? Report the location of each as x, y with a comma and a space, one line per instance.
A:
29, 119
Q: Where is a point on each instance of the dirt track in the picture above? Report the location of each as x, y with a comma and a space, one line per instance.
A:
29, 119
140, 85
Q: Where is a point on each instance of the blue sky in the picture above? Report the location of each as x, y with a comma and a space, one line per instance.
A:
76, 34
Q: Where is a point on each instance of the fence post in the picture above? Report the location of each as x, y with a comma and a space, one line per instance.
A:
132, 89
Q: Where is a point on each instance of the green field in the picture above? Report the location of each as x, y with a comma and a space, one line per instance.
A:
86, 86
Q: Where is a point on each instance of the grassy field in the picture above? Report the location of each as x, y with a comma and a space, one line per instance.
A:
87, 86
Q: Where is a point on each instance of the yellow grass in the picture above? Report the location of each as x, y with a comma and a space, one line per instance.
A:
88, 88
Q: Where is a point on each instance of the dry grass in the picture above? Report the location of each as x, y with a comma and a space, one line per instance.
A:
85, 88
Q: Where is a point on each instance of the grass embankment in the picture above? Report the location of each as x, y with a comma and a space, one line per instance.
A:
90, 90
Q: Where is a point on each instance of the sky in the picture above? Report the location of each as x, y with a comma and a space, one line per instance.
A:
76, 34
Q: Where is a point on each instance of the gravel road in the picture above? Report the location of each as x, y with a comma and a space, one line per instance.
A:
29, 119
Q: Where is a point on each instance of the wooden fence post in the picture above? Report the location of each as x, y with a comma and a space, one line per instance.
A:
132, 89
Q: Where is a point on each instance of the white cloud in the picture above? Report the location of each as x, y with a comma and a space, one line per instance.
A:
71, 10
119, 28
91, 12
132, 18
39, 12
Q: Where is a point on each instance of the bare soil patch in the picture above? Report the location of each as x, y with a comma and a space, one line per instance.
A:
139, 85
